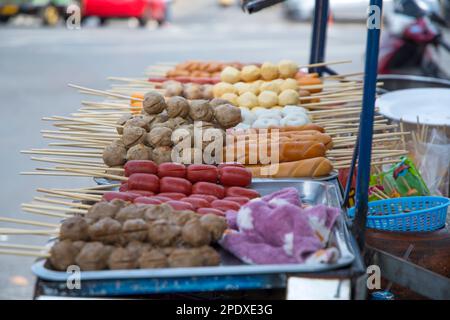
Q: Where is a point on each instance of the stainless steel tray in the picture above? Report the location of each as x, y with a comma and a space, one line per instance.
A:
312, 192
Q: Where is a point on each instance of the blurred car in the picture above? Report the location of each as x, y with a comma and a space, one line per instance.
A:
50, 11
143, 10
340, 9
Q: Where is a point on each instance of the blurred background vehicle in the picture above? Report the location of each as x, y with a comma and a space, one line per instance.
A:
413, 37
50, 11
301, 10
143, 10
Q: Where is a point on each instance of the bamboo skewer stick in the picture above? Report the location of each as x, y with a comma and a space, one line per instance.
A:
101, 92
23, 246
25, 253
66, 203
28, 222
40, 232
98, 175
46, 213
53, 208
70, 195
71, 162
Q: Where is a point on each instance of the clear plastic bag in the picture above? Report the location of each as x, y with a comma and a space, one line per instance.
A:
433, 160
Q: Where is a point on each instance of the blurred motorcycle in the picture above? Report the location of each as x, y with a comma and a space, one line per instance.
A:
413, 31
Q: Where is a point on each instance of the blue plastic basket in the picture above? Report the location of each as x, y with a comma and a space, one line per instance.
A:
407, 214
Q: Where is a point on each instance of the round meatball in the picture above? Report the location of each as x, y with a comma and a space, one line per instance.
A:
63, 254
105, 230
210, 256
162, 154
269, 71
177, 107
271, 86
121, 122
232, 98
201, 110
218, 102
103, 209
139, 152
250, 73
247, 100
122, 259
173, 88
133, 136
93, 256
159, 137
115, 154
163, 234
154, 103
195, 234
208, 92
289, 84
136, 248
138, 121
159, 212
74, 228
227, 115
182, 257
193, 91
214, 224
230, 75
182, 217
134, 230
287, 69
152, 259
130, 212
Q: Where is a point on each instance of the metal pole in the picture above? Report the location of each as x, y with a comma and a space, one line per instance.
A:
319, 34
366, 120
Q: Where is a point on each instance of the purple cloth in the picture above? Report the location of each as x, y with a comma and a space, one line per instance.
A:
276, 229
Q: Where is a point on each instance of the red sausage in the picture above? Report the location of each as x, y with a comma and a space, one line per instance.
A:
210, 210
238, 200
144, 181
241, 192
230, 164
180, 205
225, 205
202, 172
126, 196
172, 195
161, 198
123, 187
140, 166
147, 200
206, 197
143, 193
179, 185
235, 176
169, 169
197, 202
209, 188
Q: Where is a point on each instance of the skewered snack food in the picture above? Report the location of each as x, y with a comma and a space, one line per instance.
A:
247, 100
201, 111
214, 224
269, 71
250, 73
153, 103
177, 107
231, 97
162, 154
122, 259
193, 91
139, 152
230, 75
288, 97
74, 228
93, 256
159, 137
121, 122
227, 115
133, 136
153, 258
115, 154
182, 257
173, 88
163, 234
138, 121
134, 230
223, 87
105, 230
207, 92
268, 99
62, 255
104, 209
195, 234
287, 69
218, 102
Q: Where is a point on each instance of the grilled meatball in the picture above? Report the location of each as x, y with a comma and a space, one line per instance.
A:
106, 230
115, 154
134, 230
214, 224
133, 136
151, 259
131, 211
62, 255
162, 154
93, 256
74, 228
201, 110
104, 209
210, 256
122, 259
154, 103
227, 115
159, 137
121, 122
140, 152
162, 233
182, 257
195, 234
177, 107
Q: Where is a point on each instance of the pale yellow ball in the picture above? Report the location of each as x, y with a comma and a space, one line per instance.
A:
221, 88
230, 75
232, 97
250, 73
242, 87
289, 84
288, 97
270, 86
269, 71
248, 100
268, 99
287, 69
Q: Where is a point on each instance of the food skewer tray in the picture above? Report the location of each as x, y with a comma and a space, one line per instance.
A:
312, 192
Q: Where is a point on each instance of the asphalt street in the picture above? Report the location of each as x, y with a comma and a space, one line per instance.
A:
37, 63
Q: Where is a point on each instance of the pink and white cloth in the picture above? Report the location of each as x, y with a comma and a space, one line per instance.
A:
276, 229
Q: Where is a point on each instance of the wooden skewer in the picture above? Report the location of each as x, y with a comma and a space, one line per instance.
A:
54, 174
101, 92
25, 253
66, 203
99, 175
29, 232
322, 64
53, 208
70, 195
71, 162
67, 153
46, 213
76, 145
29, 222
